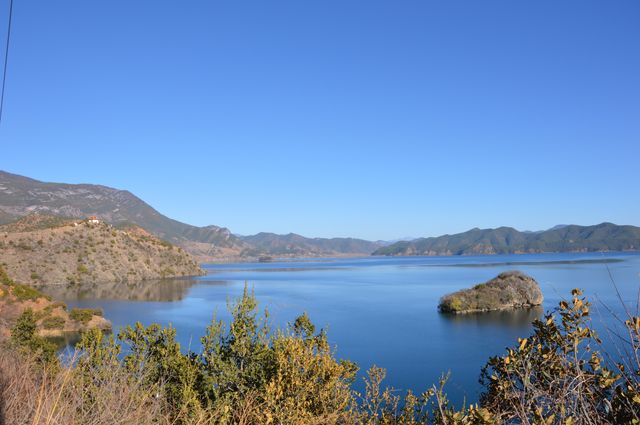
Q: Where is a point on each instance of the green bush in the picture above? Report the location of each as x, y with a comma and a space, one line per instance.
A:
4, 277
451, 304
247, 373
53, 322
25, 337
25, 293
84, 315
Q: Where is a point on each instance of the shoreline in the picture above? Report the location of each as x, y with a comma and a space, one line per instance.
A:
254, 260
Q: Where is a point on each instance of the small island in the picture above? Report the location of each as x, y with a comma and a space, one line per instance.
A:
508, 290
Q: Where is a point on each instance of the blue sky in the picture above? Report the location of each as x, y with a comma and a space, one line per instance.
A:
373, 119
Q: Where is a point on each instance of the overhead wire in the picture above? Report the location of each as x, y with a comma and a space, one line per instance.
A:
6, 59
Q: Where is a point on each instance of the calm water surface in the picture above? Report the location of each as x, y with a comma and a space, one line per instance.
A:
380, 311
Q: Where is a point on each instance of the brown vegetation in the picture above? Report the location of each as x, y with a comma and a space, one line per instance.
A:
44, 250
31, 393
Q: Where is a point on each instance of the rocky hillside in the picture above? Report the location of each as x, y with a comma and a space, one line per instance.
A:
506, 240
44, 250
52, 318
293, 245
20, 196
508, 290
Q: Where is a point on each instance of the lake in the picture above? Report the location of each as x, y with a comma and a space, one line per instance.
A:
380, 311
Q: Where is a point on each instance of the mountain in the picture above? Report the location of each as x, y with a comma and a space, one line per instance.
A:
293, 245
45, 250
558, 226
20, 196
507, 240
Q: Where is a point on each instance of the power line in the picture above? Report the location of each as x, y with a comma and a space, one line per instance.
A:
6, 58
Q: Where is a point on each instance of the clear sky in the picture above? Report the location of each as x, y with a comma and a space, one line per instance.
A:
373, 119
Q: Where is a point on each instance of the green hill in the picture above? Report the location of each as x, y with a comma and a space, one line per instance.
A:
507, 240
294, 245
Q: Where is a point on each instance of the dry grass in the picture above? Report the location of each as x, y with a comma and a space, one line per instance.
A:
31, 394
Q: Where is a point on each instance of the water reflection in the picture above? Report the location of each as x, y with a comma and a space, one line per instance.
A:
148, 290
280, 269
67, 339
515, 319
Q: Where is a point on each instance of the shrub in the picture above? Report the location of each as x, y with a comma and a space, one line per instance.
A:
4, 277
557, 375
451, 304
25, 338
165, 244
26, 293
247, 374
53, 322
167, 271
33, 394
84, 315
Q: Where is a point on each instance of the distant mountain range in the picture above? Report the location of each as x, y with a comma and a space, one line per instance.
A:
507, 240
296, 245
21, 196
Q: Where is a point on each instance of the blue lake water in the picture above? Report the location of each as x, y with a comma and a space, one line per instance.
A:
380, 311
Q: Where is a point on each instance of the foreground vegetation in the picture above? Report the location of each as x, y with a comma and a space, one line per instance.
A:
247, 374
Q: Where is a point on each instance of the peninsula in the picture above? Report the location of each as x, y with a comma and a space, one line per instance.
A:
45, 250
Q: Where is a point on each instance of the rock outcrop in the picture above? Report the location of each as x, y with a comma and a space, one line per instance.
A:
508, 290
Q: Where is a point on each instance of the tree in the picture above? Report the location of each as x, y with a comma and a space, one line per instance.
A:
24, 336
